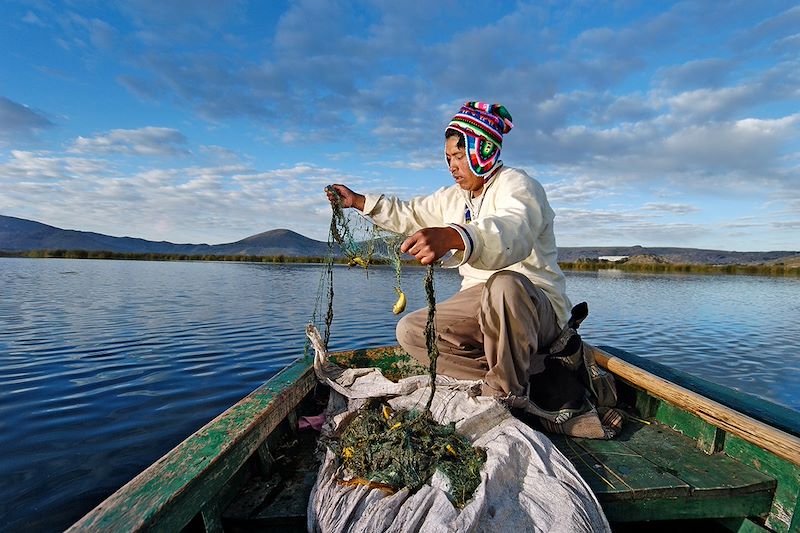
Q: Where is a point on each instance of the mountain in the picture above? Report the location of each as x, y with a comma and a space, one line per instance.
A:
20, 235
684, 256
275, 242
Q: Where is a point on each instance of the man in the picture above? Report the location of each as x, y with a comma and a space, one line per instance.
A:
497, 222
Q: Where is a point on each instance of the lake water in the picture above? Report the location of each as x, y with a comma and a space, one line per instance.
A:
106, 365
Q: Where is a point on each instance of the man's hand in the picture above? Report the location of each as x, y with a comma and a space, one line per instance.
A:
430, 244
347, 198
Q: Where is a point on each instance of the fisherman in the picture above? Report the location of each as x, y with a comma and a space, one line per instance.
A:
496, 225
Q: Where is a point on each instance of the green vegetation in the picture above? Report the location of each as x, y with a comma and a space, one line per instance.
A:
84, 254
777, 269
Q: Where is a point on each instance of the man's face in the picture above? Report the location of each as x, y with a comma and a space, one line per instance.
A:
459, 167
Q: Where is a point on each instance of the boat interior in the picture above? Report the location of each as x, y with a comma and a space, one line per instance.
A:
683, 459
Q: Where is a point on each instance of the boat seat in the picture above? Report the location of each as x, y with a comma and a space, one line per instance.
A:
651, 472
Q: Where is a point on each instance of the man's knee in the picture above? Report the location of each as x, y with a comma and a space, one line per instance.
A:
409, 331
402, 331
506, 282
411, 336
517, 293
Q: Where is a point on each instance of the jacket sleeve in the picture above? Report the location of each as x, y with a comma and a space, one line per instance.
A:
404, 217
510, 232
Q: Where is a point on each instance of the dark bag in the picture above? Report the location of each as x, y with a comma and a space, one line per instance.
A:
572, 382
576, 357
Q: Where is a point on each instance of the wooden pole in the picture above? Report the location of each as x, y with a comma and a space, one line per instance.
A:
773, 440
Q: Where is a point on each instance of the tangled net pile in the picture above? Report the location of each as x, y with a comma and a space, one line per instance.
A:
381, 447
394, 449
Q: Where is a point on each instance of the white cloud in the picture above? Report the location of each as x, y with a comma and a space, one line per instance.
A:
711, 102
149, 141
772, 28
92, 31
31, 18
578, 190
220, 153
44, 167
576, 227
416, 161
19, 120
698, 73
195, 204
673, 209
749, 145
783, 225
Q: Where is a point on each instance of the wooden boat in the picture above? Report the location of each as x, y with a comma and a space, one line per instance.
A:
693, 451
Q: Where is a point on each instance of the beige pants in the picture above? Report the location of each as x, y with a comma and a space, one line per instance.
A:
491, 331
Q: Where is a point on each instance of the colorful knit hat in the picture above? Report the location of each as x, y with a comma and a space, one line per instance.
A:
483, 126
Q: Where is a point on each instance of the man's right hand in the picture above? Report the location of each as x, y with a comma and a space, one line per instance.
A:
430, 244
347, 198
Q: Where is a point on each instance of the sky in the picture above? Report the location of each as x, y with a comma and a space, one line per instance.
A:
200, 121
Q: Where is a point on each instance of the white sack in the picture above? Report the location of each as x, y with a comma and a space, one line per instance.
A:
526, 484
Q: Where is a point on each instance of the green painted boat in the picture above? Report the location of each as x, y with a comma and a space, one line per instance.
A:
692, 455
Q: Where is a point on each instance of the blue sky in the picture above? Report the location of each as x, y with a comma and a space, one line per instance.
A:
652, 123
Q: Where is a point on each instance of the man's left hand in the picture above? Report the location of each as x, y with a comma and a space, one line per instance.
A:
429, 244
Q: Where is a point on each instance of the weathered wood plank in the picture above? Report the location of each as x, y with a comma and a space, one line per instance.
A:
785, 504
623, 473
650, 472
168, 494
709, 476
681, 508
707, 437
645, 404
780, 443
291, 503
278, 501
252, 497
600, 481
211, 512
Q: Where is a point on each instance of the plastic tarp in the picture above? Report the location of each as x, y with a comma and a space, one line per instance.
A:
526, 484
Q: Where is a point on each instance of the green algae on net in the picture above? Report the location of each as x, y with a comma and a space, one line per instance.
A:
395, 449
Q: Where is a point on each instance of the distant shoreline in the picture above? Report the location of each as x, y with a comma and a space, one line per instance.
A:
778, 269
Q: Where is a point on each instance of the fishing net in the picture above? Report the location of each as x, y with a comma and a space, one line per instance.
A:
356, 241
382, 447
390, 450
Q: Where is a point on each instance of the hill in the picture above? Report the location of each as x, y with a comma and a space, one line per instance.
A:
21, 235
682, 256
274, 242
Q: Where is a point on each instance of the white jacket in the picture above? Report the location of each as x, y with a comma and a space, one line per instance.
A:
511, 229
